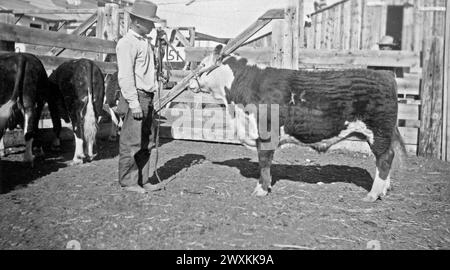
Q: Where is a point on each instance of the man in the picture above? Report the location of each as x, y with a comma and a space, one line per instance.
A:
387, 44
138, 82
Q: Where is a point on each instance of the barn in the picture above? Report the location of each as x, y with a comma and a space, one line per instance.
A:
207, 175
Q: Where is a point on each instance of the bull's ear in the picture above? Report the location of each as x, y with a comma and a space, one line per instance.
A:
218, 50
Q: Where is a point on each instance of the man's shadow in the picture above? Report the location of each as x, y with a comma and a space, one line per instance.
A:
311, 174
174, 166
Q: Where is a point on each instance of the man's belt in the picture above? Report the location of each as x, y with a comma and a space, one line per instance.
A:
146, 93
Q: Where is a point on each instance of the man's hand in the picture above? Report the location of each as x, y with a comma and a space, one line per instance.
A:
137, 113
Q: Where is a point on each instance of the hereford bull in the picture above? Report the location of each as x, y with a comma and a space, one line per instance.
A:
315, 108
80, 85
24, 90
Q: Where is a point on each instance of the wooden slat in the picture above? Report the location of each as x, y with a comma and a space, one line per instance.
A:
409, 135
80, 30
54, 39
51, 11
360, 57
430, 142
356, 22
446, 90
408, 86
408, 111
52, 62
310, 57
273, 14
182, 39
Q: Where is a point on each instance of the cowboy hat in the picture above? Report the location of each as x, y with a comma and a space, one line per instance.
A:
145, 10
387, 41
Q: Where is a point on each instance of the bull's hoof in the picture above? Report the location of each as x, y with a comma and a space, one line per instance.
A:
259, 191
112, 138
91, 158
76, 162
371, 198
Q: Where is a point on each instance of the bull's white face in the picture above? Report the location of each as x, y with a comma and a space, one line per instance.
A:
214, 82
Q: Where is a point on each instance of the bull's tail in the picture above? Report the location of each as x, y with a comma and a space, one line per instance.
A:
398, 145
90, 123
6, 109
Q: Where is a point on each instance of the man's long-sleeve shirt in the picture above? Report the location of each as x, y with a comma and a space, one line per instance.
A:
136, 67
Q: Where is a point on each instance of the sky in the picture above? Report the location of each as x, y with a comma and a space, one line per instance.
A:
220, 18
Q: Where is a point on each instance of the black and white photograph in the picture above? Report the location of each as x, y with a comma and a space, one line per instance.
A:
225, 125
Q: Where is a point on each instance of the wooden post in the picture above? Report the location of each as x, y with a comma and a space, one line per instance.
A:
108, 26
431, 96
125, 24
7, 45
356, 24
345, 26
100, 27
290, 36
301, 24
285, 39
446, 96
317, 30
277, 44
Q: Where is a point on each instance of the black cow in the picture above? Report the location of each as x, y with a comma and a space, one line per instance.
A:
80, 85
315, 108
24, 90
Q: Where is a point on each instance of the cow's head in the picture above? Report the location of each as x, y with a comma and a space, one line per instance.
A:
214, 80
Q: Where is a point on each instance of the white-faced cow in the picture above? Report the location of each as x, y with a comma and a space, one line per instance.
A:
315, 108
24, 90
81, 86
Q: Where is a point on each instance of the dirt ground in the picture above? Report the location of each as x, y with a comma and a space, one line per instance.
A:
315, 202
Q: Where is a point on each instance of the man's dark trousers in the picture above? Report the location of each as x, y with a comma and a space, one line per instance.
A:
137, 138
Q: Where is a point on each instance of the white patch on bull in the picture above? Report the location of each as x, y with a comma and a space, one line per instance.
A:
90, 126
359, 127
246, 122
115, 126
214, 81
292, 99
379, 189
302, 96
79, 153
2, 147
286, 140
5, 113
28, 155
259, 191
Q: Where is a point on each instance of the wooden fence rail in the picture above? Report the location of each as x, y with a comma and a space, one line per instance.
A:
27, 35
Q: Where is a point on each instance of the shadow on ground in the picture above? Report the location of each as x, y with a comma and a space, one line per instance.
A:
311, 174
176, 165
15, 173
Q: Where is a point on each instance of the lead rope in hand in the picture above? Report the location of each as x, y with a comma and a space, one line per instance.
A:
160, 86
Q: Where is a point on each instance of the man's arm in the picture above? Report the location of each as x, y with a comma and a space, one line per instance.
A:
126, 57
